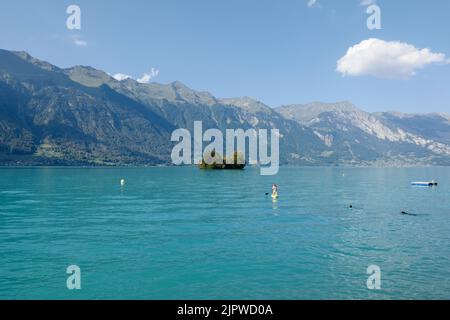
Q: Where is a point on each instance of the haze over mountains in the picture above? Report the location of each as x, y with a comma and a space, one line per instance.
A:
83, 116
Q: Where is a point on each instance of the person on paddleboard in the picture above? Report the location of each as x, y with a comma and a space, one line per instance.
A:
274, 191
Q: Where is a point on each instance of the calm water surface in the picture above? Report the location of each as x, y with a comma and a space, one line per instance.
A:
181, 233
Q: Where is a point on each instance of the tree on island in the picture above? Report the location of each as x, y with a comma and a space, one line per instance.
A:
216, 161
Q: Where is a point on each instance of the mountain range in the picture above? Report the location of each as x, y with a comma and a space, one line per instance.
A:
83, 116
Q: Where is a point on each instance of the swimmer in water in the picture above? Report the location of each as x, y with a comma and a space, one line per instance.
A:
408, 214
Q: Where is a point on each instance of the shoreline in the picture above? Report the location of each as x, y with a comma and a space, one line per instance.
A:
194, 166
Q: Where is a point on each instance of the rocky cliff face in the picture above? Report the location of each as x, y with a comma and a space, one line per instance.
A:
354, 136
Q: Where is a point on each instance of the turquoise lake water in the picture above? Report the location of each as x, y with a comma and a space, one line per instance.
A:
181, 233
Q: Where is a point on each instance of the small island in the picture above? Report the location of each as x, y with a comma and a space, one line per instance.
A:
221, 164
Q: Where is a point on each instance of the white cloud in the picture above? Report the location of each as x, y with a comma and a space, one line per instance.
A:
78, 41
121, 77
312, 3
386, 59
366, 3
147, 77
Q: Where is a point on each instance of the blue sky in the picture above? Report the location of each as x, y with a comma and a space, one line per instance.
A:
279, 52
